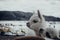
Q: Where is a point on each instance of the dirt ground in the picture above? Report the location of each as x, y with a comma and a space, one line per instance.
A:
8, 37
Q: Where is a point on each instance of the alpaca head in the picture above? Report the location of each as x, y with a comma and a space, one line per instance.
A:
36, 22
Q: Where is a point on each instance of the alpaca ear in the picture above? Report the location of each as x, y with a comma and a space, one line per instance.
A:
39, 15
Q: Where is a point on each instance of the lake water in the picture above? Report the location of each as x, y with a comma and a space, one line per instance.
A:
17, 26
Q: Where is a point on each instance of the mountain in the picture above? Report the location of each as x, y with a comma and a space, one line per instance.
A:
51, 18
14, 15
19, 15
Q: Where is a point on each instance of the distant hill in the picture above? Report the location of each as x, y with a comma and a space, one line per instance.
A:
19, 15
51, 18
14, 15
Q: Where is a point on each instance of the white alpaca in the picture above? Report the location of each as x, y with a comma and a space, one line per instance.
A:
37, 23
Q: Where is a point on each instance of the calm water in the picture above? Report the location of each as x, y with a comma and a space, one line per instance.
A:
16, 26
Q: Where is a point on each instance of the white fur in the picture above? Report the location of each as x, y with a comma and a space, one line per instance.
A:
30, 33
39, 24
52, 32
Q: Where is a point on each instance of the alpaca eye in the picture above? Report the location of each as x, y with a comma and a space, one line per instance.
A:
35, 21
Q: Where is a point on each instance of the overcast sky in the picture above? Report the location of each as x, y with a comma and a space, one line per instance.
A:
46, 7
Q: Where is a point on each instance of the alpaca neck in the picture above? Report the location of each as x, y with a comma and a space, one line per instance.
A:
37, 32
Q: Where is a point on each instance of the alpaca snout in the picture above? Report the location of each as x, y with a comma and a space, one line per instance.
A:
28, 24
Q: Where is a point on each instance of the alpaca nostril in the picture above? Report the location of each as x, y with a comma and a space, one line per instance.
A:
28, 24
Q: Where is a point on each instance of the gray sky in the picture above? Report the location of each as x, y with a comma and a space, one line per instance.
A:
47, 7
